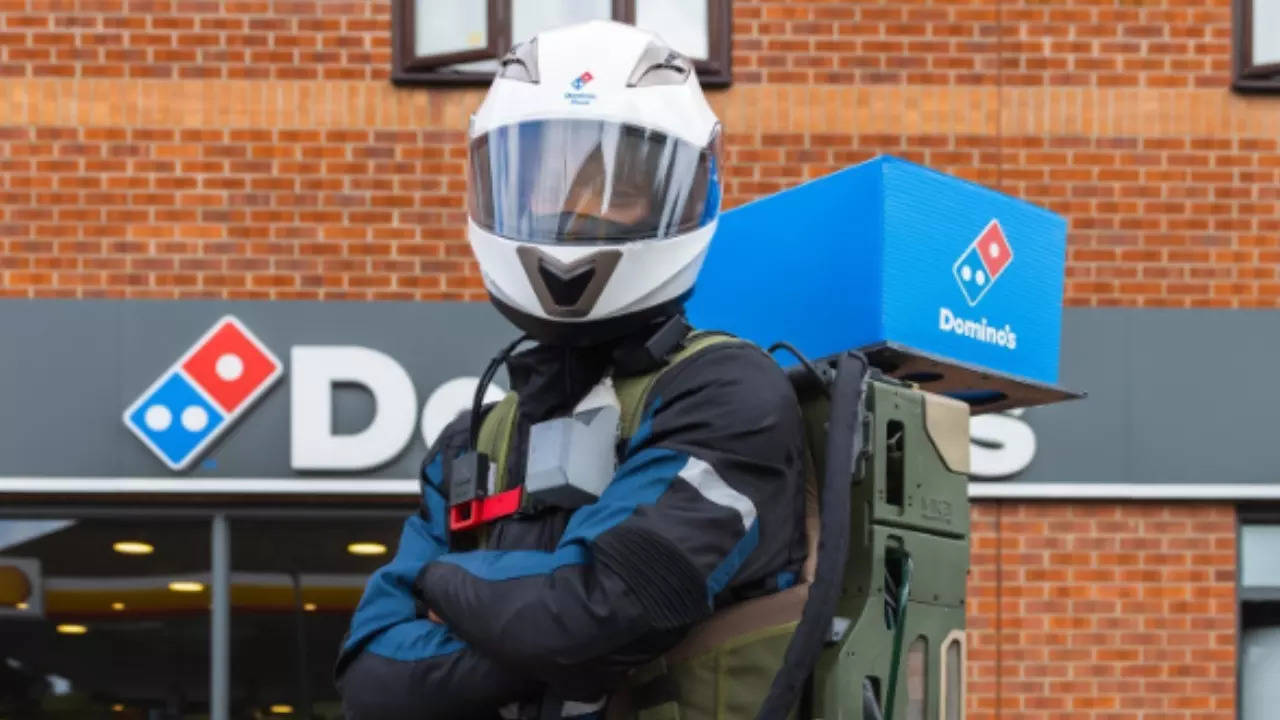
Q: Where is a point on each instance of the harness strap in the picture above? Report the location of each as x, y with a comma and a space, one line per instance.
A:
494, 440
633, 392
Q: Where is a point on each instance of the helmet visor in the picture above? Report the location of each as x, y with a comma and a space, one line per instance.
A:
590, 181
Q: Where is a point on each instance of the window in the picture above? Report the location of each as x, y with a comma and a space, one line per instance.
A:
295, 581
1259, 617
105, 616
1257, 45
458, 42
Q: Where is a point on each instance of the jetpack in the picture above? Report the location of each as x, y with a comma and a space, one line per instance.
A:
910, 300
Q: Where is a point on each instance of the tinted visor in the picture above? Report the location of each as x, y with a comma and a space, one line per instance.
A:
590, 181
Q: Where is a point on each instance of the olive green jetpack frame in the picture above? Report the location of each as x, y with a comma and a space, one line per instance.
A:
895, 647
909, 538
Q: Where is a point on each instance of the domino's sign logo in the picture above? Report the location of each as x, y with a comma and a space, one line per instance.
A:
202, 395
983, 262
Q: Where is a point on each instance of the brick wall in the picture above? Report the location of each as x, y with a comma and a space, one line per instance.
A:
197, 148
1099, 611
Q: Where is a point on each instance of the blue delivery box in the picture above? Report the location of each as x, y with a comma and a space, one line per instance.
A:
940, 281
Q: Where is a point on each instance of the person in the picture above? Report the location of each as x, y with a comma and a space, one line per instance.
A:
594, 190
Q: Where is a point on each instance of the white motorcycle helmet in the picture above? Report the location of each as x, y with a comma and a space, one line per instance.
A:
594, 182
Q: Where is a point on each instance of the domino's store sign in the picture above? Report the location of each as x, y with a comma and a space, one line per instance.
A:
117, 392
216, 381
203, 394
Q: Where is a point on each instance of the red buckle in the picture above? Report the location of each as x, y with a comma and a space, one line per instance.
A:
479, 511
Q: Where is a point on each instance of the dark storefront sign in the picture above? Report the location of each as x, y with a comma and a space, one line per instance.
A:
249, 396
342, 397
1181, 405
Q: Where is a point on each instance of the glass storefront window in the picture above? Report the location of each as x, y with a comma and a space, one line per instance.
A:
294, 586
104, 618
111, 617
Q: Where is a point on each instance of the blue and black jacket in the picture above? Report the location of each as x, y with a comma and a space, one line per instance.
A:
705, 508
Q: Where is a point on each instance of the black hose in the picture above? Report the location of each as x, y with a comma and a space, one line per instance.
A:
487, 377
844, 445
808, 366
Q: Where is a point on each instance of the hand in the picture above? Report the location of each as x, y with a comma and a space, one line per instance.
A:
433, 617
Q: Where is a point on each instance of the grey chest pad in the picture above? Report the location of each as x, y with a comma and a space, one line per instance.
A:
571, 459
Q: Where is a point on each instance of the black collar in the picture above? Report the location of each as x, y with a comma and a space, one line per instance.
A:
552, 379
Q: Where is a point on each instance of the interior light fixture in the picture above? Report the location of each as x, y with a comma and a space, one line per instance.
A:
367, 548
133, 547
186, 586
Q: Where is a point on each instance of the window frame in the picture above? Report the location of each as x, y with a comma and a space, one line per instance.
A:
410, 69
1267, 513
1248, 77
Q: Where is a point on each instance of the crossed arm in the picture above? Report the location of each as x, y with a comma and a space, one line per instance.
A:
681, 521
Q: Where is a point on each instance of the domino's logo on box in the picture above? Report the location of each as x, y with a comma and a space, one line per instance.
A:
982, 263
204, 393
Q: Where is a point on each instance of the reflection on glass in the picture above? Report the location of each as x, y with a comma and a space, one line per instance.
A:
1259, 559
1266, 32
1259, 660
294, 586
450, 26
530, 17
99, 630
681, 23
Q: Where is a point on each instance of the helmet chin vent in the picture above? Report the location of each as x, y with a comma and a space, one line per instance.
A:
568, 290
565, 291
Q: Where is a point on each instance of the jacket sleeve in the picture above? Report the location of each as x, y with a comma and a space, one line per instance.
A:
394, 662
707, 503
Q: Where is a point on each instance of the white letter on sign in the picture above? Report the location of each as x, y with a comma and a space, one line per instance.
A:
1001, 445
316, 369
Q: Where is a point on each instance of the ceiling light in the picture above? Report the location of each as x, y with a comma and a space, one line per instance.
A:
186, 586
72, 629
309, 607
133, 547
22, 606
281, 709
367, 548
118, 707
117, 606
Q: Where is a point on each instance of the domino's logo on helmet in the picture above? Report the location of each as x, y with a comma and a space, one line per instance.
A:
204, 394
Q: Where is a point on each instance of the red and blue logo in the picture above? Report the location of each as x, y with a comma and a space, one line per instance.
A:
983, 262
202, 395
582, 80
